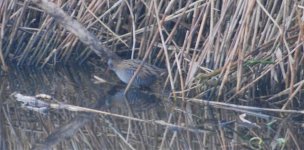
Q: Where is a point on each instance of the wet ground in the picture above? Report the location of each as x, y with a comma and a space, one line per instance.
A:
138, 120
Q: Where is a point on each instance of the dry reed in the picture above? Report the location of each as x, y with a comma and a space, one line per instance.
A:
241, 52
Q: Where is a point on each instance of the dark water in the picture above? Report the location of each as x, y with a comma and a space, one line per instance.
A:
23, 128
138, 120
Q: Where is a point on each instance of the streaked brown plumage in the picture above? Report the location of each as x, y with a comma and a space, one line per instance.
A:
125, 69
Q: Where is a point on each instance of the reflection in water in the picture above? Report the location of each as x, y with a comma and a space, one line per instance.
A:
138, 100
63, 132
67, 85
62, 129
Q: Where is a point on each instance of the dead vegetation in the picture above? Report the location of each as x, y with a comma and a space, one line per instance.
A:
241, 52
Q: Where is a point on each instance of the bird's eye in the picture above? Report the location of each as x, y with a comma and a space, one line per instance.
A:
110, 64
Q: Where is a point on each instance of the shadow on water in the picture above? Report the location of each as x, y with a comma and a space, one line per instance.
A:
138, 100
27, 129
137, 120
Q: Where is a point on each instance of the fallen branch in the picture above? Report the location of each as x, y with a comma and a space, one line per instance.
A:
75, 27
240, 107
30, 102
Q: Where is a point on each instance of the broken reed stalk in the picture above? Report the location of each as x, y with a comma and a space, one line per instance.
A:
241, 108
75, 27
2, 26
35, 104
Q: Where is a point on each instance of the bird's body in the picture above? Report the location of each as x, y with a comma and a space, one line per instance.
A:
125, 69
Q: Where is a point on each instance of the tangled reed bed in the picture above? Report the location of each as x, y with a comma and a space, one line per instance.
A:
242, 52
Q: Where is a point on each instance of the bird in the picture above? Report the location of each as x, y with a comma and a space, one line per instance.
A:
125, 69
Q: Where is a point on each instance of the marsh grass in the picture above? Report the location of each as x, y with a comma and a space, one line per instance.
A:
242, 52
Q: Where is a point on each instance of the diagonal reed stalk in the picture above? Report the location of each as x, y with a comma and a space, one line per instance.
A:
242, 52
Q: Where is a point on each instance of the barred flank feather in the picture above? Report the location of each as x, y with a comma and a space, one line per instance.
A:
125, 69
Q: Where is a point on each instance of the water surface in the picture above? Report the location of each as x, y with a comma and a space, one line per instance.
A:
139, 119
